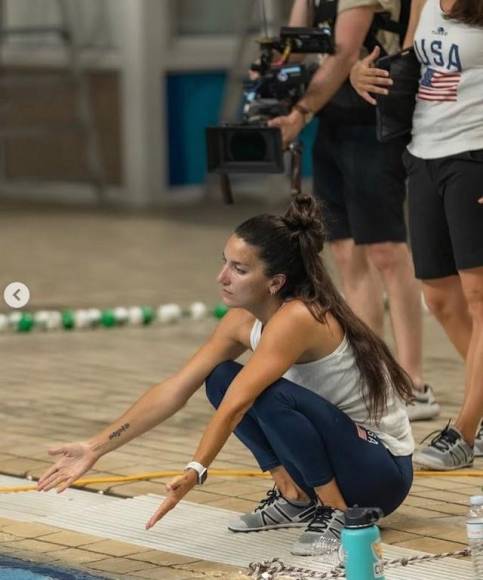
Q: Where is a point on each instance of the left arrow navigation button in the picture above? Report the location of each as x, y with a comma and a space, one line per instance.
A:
16, 295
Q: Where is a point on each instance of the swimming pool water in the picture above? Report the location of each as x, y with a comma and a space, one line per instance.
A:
21, 574
14, 569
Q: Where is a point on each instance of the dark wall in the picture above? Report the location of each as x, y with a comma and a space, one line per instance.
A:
59, 156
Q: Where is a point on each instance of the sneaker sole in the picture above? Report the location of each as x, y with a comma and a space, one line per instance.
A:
295, 552
306, 551
272, 527
441, 467
431, 413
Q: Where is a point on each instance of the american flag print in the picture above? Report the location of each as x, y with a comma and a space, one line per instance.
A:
439, 86
361, 432
367, 435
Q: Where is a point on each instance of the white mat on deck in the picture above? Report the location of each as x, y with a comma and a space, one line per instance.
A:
191, 529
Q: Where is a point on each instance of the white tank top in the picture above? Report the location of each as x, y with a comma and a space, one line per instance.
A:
449, 108
337, 379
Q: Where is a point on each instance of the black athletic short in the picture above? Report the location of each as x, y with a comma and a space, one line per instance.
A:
361, 183
445, 218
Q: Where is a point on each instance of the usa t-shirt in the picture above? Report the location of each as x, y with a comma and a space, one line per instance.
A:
449, 105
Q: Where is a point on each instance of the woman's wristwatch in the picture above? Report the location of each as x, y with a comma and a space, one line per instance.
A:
201, 470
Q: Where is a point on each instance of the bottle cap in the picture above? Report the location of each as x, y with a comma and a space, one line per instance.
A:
356, 517
476, 500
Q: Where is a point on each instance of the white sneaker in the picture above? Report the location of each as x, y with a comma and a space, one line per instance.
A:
478, 448
273, 512
447, 451
325, 527
423, 406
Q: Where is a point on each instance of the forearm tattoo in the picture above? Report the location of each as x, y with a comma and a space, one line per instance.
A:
117, 433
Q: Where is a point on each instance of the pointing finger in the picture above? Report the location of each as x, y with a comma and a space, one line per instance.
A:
167, 505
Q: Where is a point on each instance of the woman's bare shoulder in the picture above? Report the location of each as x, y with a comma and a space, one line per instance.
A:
301, 313
298, 311
237, 323
320, 337
293, 317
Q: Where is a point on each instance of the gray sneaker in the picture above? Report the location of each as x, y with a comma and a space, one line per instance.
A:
447, 451
478, 448
423, 406
275, 512
325, 528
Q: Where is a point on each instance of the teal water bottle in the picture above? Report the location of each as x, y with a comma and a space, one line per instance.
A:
361, 543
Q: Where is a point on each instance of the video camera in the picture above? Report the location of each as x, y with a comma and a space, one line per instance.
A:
251, 146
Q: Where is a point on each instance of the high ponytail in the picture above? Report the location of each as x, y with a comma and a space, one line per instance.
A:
304, 220
291, 245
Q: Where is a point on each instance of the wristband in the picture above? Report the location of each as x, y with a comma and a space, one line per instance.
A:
304, 111
201, 471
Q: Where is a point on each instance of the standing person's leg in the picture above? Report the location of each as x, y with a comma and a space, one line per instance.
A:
360, 283
463, 178
375, 207
448, 241
471, 413
382, 227
446, 300
393, 261
433, 254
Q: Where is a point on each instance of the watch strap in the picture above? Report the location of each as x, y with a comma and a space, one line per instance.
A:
201, 470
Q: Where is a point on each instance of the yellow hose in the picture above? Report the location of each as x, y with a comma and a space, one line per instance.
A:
456, 473
217, 473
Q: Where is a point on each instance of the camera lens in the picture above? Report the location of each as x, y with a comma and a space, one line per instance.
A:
247, 146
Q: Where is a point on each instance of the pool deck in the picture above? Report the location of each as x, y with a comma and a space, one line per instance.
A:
60, 387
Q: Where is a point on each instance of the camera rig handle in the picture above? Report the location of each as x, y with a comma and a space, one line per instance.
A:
226, 191
295, 148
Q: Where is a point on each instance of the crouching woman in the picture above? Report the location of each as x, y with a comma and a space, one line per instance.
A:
320, 402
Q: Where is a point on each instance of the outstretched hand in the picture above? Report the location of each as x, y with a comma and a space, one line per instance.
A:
366, 79
177, 489
75, 459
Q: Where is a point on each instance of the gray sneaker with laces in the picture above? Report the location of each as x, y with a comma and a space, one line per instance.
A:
273, 512
447, 451
423, 406
478, 448
325, 527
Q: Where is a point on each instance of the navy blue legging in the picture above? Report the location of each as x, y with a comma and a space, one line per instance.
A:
315, 441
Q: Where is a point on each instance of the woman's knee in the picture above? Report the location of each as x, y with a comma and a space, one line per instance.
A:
271, 399
218, 381
389, 257
283, 395
472, 281
444, 297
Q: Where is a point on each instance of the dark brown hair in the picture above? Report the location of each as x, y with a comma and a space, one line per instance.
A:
467, 11
291, 245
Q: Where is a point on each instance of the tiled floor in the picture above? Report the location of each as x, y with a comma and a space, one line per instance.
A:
60, 386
